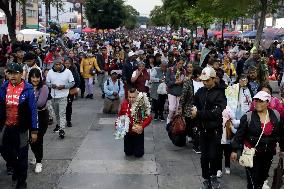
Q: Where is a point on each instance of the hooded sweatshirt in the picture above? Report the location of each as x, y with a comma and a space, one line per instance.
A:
63, 77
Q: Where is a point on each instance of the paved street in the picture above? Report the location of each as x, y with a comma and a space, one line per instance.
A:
90, 158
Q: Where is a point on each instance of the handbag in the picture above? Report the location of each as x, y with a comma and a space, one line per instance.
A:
246, 159
162, 89
278, 173
92, 71
178, 125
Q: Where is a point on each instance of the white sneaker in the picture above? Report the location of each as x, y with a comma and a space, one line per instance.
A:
33, 161
219, 174
38, 168
227, 171
265, 185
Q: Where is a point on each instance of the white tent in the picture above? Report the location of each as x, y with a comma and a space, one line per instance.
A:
29, 34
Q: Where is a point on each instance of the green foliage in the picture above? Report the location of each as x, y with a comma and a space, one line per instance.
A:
142, 20
131, 20
158, 16
105, 14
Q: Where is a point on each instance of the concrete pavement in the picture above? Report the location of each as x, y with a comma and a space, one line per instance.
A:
90, 158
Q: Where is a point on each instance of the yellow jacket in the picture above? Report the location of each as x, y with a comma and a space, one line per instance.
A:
86, 65
228, 67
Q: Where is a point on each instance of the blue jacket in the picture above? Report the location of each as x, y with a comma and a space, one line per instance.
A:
110, 87
27, 109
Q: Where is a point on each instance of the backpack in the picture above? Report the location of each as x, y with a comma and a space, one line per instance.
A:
118, 84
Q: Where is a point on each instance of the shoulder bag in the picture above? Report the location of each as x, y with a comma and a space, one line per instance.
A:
246, 159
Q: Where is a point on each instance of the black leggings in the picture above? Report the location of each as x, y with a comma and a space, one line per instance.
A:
258, 174
159, 105
82, 85
209, 145
37, 147
225, 149
70, 99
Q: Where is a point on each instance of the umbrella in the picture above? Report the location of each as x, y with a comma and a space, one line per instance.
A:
87, 30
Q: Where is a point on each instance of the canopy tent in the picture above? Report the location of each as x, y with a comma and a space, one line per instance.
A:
29, 34
88, 30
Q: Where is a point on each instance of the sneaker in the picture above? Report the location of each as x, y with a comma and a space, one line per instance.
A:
10, 171
56, 130
69, 124
227, 170
206, 184
61, 134
156, 117
189, 139
103, 96
91, 96
21, 185
33, 161
162, 118
38, 168
215, 184
265, 185
88, 96
219, 173
196, 150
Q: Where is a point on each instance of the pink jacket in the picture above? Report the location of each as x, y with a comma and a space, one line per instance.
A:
275, 104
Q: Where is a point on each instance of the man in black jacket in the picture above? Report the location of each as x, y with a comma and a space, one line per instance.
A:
101, 63
128, 69
209, 102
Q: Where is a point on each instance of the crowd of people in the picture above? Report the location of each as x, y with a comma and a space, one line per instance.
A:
221, 90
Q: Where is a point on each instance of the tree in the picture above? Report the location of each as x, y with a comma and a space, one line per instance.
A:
158, 16
131, 18
143, 20
105, 14
9, 8
222, 11
196, 18
48, 3
23, 3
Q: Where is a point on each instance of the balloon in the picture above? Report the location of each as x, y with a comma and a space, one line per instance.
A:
64, 28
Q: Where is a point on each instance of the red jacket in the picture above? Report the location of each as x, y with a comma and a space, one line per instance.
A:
125, 110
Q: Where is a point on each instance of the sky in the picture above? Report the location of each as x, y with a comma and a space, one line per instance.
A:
144, 7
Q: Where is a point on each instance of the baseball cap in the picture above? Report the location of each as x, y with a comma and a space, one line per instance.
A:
15, 68
207, 73
262, 95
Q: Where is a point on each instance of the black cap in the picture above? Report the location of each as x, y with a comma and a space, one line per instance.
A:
15, 68
29, 56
